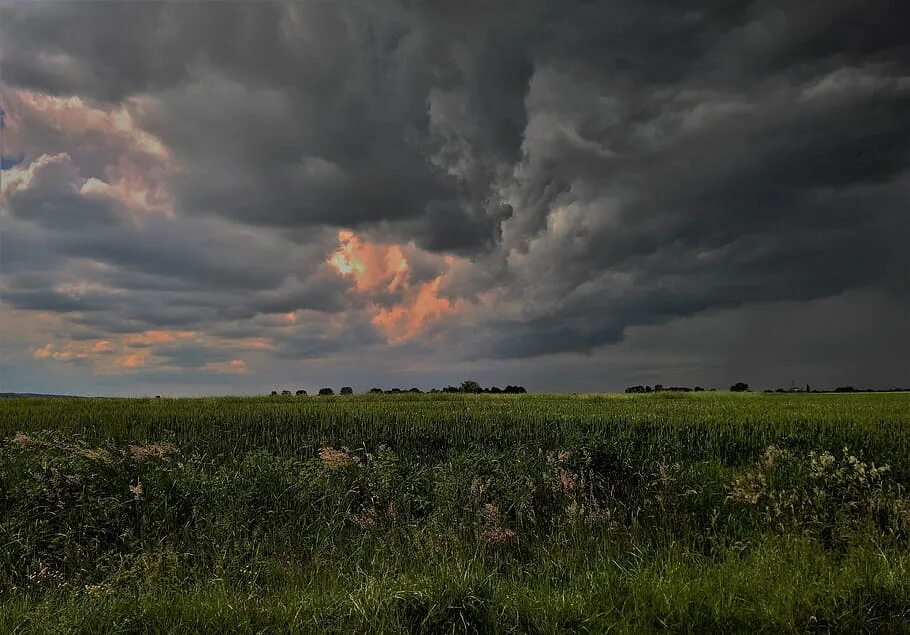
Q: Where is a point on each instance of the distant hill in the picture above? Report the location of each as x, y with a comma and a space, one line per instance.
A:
10, 395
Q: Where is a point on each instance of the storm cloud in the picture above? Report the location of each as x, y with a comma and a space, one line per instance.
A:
415, 189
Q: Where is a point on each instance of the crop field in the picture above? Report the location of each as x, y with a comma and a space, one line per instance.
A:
666, 512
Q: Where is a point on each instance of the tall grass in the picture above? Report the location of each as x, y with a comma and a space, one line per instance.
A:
695, 513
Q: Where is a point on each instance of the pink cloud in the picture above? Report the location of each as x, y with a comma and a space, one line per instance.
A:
377, 268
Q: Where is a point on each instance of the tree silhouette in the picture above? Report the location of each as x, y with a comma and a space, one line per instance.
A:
470, 386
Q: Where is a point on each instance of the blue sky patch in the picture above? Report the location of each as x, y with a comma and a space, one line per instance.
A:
10, 162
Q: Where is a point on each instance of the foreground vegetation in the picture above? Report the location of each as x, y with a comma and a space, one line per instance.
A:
663, 512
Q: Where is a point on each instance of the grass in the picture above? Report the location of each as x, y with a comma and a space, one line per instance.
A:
451, 513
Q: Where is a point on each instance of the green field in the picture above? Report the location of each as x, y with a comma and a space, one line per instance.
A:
707, 512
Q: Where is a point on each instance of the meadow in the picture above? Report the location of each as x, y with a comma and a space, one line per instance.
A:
666, 512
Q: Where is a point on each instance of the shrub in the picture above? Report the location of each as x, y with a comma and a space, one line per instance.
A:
821, 491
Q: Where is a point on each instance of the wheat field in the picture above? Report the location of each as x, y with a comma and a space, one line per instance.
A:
696, 512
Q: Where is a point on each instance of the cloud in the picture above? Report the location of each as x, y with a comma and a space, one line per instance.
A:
442, 182
402, 305
161, 350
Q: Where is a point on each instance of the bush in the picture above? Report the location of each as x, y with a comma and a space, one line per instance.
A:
821, 491
325, 392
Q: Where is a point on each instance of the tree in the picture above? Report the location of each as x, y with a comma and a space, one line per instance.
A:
274, 393
739, 387
326, 391
347, 390
376, 390
470, 386
301, 393
285, 393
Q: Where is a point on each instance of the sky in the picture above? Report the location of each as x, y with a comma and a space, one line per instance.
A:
234, 197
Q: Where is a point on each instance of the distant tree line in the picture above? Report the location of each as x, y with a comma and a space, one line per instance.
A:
660, 388
473, 387
744, 387
467, 386
841, 389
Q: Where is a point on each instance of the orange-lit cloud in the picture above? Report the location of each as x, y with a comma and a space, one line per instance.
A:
371, 266
419, 309
136, 161
135, 351
231, 366
148, 338
74, 115
105, 356
375, 268
131, 359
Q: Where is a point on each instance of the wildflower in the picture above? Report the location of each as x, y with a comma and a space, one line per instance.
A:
93, 455
365, 519
147, 451
567, 481
138, 490
95, 590
35, 576
336, 459
479, 487
24, 441
500, 535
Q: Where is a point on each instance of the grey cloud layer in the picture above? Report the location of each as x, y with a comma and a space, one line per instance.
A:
603, 165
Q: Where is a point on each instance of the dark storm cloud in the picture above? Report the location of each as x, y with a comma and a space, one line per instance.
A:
194, 356
53, 198
602, 165
295, 114
68, 250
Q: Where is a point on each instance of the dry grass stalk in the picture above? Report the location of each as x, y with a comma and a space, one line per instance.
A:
149, 451
336, 459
